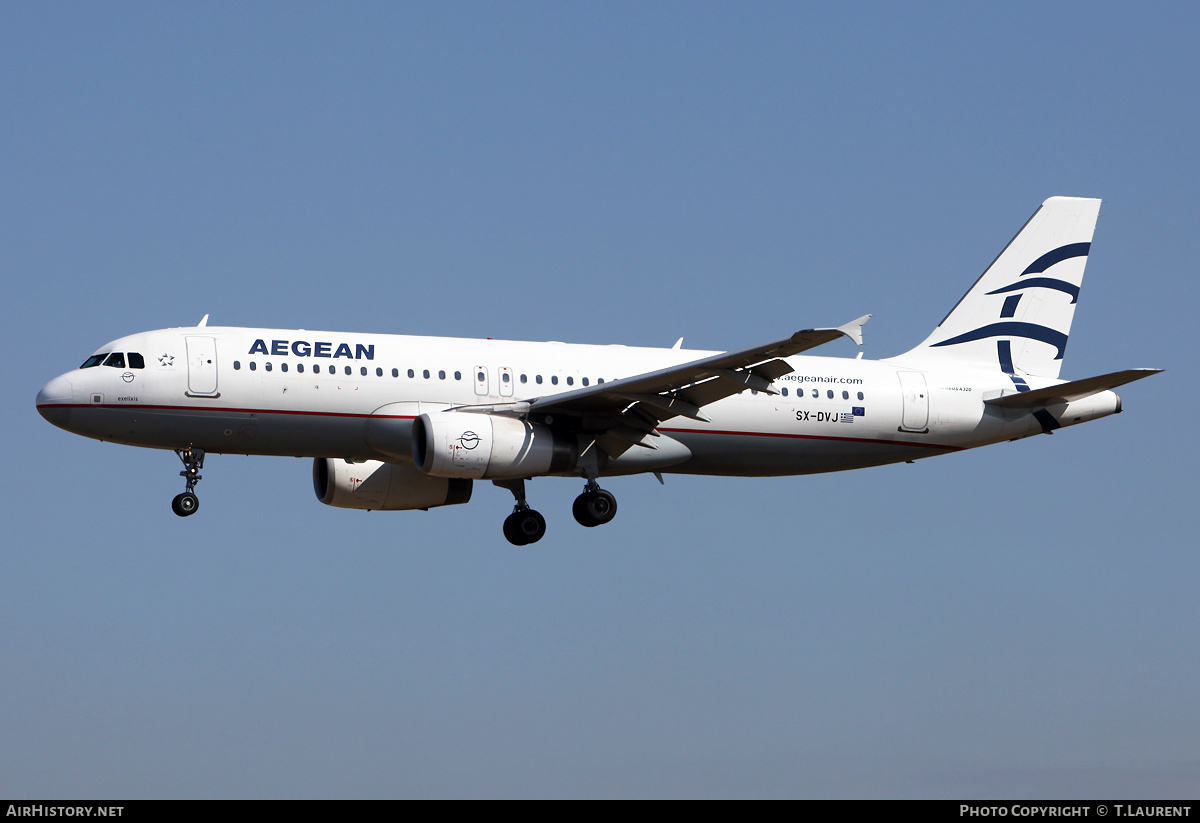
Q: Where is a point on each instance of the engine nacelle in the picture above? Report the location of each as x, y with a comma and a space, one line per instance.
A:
489, 446
379, 486
389, 428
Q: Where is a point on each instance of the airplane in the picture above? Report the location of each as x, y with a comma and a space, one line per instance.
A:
396, 422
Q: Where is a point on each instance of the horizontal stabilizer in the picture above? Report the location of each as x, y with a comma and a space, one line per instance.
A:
1068, 392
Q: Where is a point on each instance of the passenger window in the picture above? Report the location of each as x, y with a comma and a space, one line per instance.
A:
816, 393
441, 374
378, 372
599, 380
783, 391
829, 394
347, 370
94, 360
300, 368
136, 361
570, 381
585, 381
481, 377
860, 397
845, 395
267, 365
538, 380
554, 379
116, 360
237, 365
253, 365
426, 373
395, 372
505, 377
458, 375
524, 378
283, 366
411, 373
362, 371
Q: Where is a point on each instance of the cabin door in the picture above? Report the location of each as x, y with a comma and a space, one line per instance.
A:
202, 366
915, 396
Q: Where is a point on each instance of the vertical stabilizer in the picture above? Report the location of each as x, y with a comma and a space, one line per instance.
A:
1017, 316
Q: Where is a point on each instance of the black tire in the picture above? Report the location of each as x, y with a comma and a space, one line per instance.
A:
594, 508
531, 526
185, 504
579, 510
511, 533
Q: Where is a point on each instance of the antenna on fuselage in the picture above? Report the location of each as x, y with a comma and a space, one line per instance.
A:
203, 322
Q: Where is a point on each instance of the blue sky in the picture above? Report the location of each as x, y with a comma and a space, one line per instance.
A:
1017, 621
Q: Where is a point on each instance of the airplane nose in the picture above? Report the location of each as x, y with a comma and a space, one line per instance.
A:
54, 401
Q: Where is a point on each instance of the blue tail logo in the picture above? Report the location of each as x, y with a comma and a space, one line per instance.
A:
1029, 292
1031, 331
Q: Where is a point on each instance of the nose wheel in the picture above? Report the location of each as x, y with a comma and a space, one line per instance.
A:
193, 461
185, 504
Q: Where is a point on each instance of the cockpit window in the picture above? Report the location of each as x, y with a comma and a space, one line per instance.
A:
136, 361
116, 360
94, 360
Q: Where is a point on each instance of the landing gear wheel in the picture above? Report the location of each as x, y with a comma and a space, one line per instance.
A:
578, 510
510, 530
193, 461
594, 508
185, 504
524, 526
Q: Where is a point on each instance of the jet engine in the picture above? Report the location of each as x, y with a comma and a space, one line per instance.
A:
373, 485
489, 446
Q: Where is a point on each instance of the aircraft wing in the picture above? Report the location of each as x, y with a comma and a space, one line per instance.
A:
621, 413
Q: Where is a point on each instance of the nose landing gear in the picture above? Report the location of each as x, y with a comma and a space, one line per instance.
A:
193, 461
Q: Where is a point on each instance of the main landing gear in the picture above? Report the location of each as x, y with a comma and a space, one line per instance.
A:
524, 525
193, 461
594, 507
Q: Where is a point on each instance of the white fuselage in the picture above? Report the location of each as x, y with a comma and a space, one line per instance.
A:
333, 394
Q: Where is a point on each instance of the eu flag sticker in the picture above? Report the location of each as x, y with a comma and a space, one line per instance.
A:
860, 411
